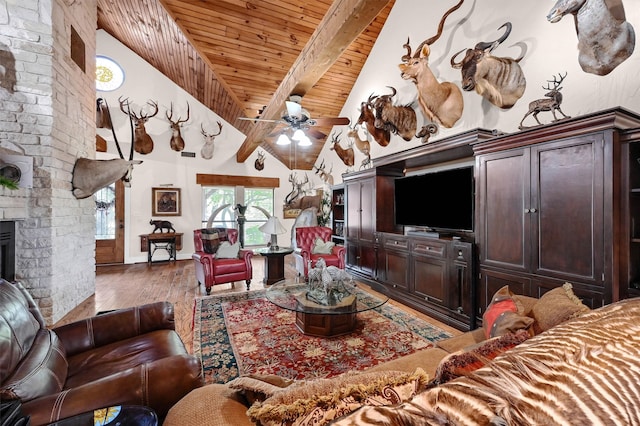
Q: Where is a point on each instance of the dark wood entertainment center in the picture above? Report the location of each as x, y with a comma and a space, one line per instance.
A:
553, 204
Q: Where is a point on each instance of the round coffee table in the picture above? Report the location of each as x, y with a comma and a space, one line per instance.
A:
322, 320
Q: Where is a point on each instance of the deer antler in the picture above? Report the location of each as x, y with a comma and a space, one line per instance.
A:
555, 82
170, 116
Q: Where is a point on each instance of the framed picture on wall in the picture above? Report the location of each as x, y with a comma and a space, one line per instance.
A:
166, 202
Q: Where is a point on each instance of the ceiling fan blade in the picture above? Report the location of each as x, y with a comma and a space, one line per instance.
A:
332, 121
259, 119
316, 134
294, 109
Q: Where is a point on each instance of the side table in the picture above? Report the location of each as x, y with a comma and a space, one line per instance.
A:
123, 415
273, 263
171, 242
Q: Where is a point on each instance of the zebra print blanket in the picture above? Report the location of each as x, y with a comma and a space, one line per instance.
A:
585, 371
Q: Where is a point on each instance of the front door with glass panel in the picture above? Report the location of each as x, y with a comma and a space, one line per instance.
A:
109, 203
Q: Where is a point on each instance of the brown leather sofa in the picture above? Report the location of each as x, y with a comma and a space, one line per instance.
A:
126, 357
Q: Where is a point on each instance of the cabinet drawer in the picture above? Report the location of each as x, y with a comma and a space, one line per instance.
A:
396, 243
433, 248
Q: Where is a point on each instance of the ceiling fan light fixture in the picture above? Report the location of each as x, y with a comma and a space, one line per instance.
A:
298, 135
304, 141
283, 140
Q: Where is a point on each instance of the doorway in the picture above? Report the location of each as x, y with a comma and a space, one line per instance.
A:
110, 224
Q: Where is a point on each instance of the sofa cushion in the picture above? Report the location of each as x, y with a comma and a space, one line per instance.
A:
504, 315
226, 250
557, 306
258, 387
318, 402
322, 247
211, 239
33, 361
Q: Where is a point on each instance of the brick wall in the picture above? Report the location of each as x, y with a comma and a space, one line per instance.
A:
47, 112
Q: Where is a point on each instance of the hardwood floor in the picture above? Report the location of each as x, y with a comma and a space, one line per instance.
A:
123, 286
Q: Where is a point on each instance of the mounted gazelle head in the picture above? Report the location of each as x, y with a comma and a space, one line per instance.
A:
207, 149
90, 175
142, 141
177, 143
345, 154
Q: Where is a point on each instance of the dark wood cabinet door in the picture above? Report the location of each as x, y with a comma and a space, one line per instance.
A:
353, 210
567, 209
367, 209
502, 207
396, 269
430, 279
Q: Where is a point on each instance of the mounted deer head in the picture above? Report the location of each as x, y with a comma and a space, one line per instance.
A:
142, 141
440, 102
259, 163
177, 143
207, 149
90, 175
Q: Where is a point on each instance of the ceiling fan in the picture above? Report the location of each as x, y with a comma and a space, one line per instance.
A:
298, 120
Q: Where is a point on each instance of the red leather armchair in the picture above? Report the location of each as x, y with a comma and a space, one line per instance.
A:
305, 239
212, 271
130, 356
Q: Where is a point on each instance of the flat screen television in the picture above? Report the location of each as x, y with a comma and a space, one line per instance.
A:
441, 200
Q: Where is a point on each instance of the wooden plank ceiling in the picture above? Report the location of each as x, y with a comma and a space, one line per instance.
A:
244, 58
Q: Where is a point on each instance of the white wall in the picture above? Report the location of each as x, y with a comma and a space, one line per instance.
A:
551, 49
165, 166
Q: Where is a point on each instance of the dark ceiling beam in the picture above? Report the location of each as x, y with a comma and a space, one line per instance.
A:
342, 24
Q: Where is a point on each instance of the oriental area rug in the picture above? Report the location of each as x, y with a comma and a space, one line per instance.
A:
243, 333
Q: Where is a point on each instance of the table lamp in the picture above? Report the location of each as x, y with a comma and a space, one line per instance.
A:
274, 227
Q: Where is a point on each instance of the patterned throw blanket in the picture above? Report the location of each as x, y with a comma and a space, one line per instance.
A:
585, 371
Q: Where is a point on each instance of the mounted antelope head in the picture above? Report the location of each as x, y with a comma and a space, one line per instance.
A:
499, 80
259, 163
89, 175
324, 175
142, 141
177, 143
605, 37
345, 154
207, 149
368, 118
103, 117
440, 102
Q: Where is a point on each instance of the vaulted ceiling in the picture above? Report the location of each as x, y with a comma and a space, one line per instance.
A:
245, 58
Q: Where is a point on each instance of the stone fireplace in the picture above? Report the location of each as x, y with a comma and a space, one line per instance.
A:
8, 250
47, 95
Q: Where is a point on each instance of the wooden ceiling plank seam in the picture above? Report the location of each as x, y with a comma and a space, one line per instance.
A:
328, 39
204, 57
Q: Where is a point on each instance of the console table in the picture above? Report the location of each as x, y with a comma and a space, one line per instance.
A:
171, 242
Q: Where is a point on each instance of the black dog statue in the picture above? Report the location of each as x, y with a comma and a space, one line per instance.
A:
159, 225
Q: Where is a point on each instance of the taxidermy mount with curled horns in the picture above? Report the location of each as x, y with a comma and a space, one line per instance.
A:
441, 103
499, 80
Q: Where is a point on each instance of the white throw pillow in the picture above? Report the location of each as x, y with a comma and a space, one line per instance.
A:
227, 250
320, 247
